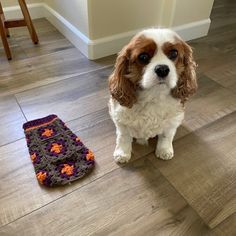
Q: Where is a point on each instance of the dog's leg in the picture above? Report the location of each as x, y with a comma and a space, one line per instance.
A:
123, 148
164, 149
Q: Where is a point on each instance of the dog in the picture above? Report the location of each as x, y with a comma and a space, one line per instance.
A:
154, 76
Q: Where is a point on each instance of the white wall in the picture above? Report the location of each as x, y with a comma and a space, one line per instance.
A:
75, 11
187, 11
109, 17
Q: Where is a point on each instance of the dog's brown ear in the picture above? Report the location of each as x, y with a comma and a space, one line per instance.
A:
121, 87
187, 81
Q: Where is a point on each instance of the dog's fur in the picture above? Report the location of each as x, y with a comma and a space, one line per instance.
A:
144, 105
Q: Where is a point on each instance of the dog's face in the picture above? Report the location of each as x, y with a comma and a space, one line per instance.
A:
153, 58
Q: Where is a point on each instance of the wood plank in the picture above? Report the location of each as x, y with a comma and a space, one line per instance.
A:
203, 169
46, 37
11, 119
138, 201
225, 75
70, 99
45, 48
45, 69
223, 14
90, 120
217, 48
16, 52
210, 103
50, 42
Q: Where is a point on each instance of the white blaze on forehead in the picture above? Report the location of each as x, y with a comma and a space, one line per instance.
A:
160, 36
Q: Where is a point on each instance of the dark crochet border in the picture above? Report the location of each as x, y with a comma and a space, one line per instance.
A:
40, 121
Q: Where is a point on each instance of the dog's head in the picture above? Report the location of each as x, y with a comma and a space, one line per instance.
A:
154, 57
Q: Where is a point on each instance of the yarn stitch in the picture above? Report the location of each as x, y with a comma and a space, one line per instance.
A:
58, 155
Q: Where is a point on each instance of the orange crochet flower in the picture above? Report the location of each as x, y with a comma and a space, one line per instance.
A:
41, 176
67, 169
56, 148
77, 139
90, 156
33, 157
47, 132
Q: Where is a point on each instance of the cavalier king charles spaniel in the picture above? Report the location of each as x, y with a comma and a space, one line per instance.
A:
154, 76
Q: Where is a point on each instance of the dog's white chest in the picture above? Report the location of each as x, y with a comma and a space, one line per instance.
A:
147, 119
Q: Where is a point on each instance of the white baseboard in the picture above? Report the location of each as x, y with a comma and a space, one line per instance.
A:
76, 37
193, 30
94, 49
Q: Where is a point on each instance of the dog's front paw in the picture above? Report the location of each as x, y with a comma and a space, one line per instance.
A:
165, 153
121, 157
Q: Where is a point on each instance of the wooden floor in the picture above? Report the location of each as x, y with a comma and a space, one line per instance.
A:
193, 194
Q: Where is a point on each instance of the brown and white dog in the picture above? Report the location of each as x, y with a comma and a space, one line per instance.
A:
153, 77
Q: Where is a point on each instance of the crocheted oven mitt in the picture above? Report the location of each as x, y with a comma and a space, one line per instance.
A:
58, 155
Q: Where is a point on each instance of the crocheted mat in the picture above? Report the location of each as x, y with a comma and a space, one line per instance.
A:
58, 155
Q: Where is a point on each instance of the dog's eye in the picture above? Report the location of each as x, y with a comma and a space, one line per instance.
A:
144, 58
173, 54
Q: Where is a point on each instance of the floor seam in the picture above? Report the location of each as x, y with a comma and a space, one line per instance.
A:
20, 107
11, 142
73, 76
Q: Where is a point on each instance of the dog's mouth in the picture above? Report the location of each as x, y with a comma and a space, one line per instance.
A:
161, 82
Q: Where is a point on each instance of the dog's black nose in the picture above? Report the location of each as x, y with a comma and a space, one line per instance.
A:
162, 70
